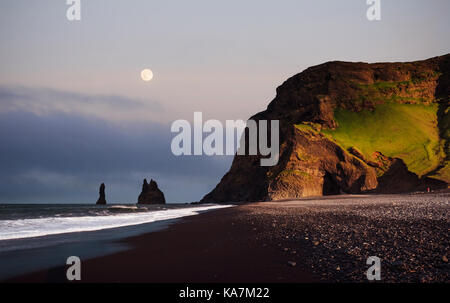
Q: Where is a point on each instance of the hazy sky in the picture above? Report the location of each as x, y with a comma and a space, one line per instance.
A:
74, 112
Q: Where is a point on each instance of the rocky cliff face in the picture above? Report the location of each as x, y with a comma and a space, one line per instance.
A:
352, 128
151, 194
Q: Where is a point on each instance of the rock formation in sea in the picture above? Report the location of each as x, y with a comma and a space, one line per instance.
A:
151, 194
102, 198
352, 128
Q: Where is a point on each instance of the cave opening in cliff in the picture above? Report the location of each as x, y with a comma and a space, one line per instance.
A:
330, 186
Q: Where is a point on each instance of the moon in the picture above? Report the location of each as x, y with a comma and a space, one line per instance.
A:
147, 75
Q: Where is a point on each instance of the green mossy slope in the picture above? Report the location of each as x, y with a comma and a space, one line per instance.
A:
406, 131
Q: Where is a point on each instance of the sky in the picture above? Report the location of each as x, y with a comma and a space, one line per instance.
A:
74, 112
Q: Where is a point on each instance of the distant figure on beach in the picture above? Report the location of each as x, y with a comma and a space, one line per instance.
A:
151, 194
101, 199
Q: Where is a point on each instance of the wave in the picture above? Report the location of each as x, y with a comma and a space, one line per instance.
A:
28, 228
123, 207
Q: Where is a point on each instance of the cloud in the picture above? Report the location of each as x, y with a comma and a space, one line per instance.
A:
46, 101
63, 157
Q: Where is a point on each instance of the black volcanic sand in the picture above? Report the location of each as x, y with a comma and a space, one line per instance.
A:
322, 239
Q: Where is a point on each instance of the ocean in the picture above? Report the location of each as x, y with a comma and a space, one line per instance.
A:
38, 236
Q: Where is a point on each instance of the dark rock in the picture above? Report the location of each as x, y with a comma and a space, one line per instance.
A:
313, 164
151, 194
102, 198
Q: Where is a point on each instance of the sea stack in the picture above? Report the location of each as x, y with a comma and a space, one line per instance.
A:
101, 199
151, 194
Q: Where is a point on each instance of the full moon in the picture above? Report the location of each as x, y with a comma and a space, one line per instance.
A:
146, 75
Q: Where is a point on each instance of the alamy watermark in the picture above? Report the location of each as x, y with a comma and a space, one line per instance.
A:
374, 271
74, 11
374, 11
73, 273
254, 133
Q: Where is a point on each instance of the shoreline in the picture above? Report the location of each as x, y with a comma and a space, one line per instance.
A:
19, 256
208, 247
296, 241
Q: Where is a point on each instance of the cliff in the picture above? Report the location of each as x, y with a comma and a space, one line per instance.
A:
352, 128
151, 194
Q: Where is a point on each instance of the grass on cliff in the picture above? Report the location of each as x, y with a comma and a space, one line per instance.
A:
405, 131
443, 173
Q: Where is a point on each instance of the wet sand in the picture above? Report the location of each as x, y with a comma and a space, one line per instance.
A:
312, 240
210, 247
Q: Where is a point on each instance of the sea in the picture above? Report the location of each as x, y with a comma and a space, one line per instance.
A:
34, 237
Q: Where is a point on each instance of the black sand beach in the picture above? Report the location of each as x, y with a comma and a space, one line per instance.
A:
313, 240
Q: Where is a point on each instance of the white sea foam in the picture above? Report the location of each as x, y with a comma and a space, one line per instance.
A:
27, 228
